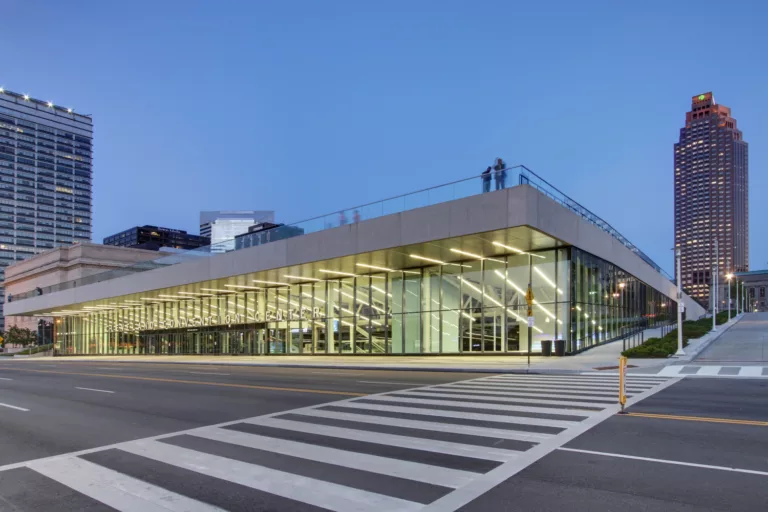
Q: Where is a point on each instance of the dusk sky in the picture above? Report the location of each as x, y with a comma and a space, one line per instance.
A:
309, 107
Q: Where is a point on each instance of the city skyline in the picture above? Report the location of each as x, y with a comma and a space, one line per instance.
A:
711, 191
434, 104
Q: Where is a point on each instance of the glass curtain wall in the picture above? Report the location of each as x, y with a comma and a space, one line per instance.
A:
609, 303
472, 307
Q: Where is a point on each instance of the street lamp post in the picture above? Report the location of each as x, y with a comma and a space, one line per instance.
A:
680, 351
728, 278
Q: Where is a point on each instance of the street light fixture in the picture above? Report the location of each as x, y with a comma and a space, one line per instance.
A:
729, 277
680, 351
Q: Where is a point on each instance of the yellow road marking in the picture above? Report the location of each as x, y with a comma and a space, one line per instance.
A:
204, 383
698, 418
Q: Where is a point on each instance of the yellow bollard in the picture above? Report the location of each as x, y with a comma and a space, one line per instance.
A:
622, 382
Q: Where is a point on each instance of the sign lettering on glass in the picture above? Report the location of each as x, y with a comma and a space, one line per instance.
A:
129, 326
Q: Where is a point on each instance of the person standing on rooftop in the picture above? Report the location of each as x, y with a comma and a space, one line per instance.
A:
500, 173
486, 178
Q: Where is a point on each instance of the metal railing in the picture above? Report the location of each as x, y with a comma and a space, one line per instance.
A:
632, 337
531, 178
426, 197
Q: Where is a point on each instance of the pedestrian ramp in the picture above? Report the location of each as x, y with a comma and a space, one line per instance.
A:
429, 448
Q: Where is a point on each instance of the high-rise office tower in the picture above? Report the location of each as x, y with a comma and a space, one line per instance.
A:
45, 178
711, 196
223, 226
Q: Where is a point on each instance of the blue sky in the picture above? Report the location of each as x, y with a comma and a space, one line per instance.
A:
306, 107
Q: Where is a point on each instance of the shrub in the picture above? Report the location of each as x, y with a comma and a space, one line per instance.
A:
666, 346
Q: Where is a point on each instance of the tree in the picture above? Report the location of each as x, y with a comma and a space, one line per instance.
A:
18, 336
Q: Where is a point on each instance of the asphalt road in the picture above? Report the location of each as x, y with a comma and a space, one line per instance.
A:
701, 444
130, 436
76, 406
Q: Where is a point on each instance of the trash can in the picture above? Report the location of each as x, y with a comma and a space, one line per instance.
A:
559, 348
546, 348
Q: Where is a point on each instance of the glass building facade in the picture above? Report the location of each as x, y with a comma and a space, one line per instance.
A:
466, 307
45, 178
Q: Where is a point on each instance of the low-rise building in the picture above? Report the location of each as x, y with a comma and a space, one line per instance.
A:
449, 270
755, 284
65, 264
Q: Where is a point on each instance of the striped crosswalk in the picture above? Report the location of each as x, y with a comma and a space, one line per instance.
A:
704, 370
699, 370
404, 450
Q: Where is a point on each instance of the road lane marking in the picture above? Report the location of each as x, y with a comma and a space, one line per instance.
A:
199, 382
326, 495
208, 373
698, 418
466, 494
14, 407
2, 378
487, 406
392, 382
97, 390
398, 468
402, 441
116, 489
665, 461
107, 368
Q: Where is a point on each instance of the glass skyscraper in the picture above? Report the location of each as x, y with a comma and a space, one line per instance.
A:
711, 196
45, 178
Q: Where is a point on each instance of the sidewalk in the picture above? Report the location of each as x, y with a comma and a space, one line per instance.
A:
605, 356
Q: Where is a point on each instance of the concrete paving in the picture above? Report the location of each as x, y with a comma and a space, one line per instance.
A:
744, 343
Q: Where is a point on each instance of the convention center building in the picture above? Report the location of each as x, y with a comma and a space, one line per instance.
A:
454, 269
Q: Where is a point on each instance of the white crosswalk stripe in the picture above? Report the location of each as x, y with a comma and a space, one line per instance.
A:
706, 370
401, 450
307, 490
474, 405
386, 439
504, 398
115, 489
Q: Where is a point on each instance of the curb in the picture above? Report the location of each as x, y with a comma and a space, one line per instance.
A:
443, 369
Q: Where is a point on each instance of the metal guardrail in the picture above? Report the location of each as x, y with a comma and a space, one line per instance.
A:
531, 178
633, 337
426, 197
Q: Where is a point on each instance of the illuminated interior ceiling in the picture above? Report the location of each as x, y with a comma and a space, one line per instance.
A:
510, 241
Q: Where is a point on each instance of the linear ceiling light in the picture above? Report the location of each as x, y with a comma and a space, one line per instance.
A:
337, 272
535, 302
197, 294
217, 290
270, 282
515, 249
243, 286
374, 267
302, 278
424, 258
465, 253
431, 260
310, 296
548, 280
